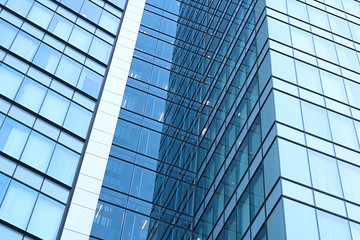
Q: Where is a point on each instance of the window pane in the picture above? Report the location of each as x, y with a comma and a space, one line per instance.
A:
78, 120
25, 46
4, 182
333, 86
134, 100
109, 22
91, 11
315, 120
332, 227
63, 165
61, 27
13, 136
38, 151
68, 70
8, 233
349, 175
10, 80
51, 101
135, 226
343, 126
100, 50
47, 58
21, 7
40, 15
324, 173
7, 33
90, 82
18, 204
80, 38
31, 95
143, 183
118, 175
46, 218
127, 135
353, 90
74, 5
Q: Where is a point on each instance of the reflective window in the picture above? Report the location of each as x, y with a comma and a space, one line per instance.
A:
25, 45
142, 185
46, 218
109, 22
349, 175
63, 165
332, 227
68, 70
80, 38
135, 226
90, 82
118, 175
100, 50
10, 81
47, 58
18, 204
4, 182
31, 94
21, 7
308, 76
91, 11
78, 120
333, 86
52, 100
13, 137
38, 151
40, 15
126, 135
7, 32
353, 90
61, 27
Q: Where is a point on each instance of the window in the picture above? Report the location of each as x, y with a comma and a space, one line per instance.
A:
63, 165
13, 136
18, 204
38, 151
68, 70
61, 27
349, 175
51, 101
21, 7
10, 81
109, 22
31, 94
25, 46
47, 58
40, 15
100, 50
90, 82
80, 38
78, 120
91, 11
46, 218
7, 33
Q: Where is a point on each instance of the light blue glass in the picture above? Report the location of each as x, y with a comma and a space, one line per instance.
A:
308, 76
91, 11
126, 135
4, 182
134, 100
47, 58
353, 90
333, 86
90, 82
80, 38
21, 7
61, 27
315, 120
118, 175
10, 81
155, 108
68, 70
40, 15
18, 204
7, 32
13, 136
149, 143
78, 120
25, 46
297, 218
350, 174
51, 101
63, 165
332, 227
38, 151
31, 94
324, 173
8, 233
100, 50
46, 218
109, 22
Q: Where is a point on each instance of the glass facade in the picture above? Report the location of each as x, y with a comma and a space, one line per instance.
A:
53, 59
240, 118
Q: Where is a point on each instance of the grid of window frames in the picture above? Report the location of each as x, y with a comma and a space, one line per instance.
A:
53, 57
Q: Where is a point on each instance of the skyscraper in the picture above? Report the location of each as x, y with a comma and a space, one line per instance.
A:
186, 119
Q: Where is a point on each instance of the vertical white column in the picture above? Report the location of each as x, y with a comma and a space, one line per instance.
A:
83, 205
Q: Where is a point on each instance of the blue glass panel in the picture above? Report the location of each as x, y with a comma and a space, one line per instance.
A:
74, 5
13, 136
46, 218
25, 46
38, 151
100, 50
149, 143
126, 135
8, 233
118, 175
108, 221
78, 120
61, 27
134, 100
4, 182
68, 70
31, 94
18, 204
7, 33
21, 7
90, 82
142, 185
40, 15
47, 58
10, 81
91, 11
51, 101
136, 226
63, 165
109, 22
80, 38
